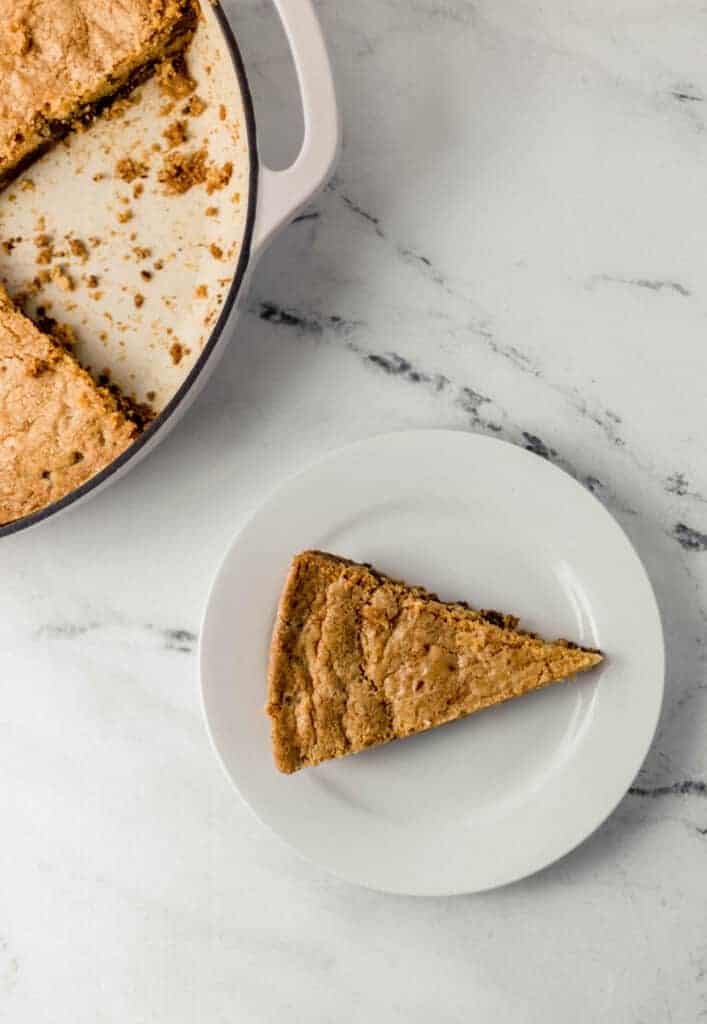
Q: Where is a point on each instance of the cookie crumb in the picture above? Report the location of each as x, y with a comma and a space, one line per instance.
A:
218, 177
128, 169
181, 171
124, 216
176, 352
194, 107
216, 251
138, 189
78, 249
201, 292
62, 280
175, 134
91, 281
118, 107
138, 299
173, 78
45, 249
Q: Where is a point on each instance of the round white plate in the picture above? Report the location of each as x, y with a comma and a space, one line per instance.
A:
499, 795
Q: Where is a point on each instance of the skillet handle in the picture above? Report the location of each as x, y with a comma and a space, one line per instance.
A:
282, 194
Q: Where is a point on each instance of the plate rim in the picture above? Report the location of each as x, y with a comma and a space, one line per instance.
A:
272, 498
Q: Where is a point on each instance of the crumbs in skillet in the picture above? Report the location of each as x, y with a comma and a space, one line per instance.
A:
194, 106
218, 177
176, 351
175, 134
128, 169
174, 79
181, 171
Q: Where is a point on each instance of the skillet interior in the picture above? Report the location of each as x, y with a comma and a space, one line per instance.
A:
155, 351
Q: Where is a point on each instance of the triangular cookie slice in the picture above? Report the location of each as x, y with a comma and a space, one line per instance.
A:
358, 659
57, 427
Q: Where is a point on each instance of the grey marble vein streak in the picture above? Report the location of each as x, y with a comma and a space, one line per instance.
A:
604, 419
652, 284
689, 538
687, 787
478, 406
677, 483
480, 326
173, 639
686, 94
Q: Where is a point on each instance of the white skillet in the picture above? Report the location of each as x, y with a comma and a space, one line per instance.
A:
163, 345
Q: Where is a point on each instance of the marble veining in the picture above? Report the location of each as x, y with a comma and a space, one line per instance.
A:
464, 397
513, 244
642, 282
174, 639
688, 787
689, 538
677, 483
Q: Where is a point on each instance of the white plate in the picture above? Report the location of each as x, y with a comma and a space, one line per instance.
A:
501, 794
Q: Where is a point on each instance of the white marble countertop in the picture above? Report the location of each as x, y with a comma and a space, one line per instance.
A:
514, 243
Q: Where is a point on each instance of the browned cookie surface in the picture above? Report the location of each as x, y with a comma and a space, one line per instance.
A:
358, 659
61, 58
57, 427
